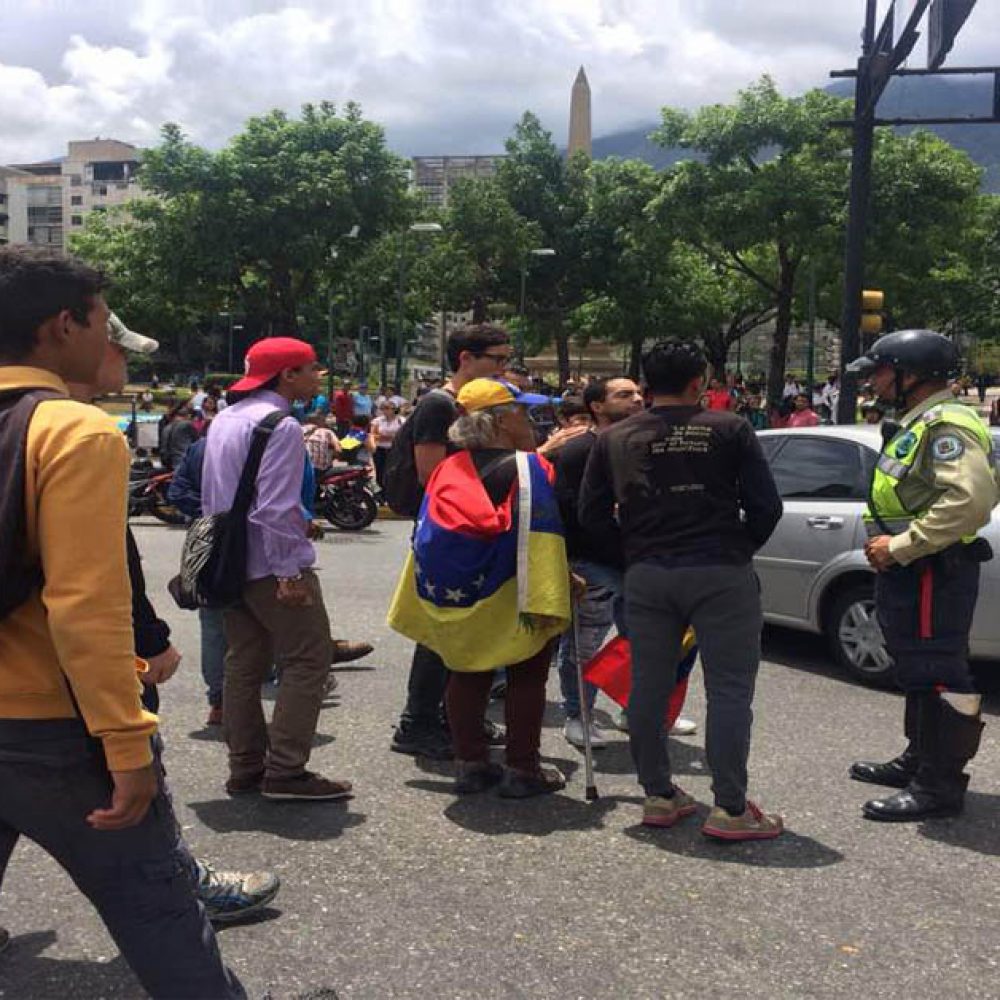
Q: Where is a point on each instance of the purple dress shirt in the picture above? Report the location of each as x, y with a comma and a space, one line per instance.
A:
276, 527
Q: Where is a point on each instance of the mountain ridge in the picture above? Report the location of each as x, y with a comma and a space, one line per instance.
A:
905, 97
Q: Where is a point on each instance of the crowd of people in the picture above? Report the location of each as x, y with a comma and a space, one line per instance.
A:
540, 527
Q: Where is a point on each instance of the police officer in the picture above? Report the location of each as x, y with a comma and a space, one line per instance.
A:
932, 489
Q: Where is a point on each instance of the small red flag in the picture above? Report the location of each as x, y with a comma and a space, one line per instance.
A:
611, 671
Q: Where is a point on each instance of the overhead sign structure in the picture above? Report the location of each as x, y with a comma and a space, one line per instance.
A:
944, 21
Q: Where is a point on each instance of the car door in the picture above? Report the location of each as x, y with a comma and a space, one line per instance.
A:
822, 480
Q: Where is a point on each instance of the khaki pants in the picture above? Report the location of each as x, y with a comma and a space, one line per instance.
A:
261, 632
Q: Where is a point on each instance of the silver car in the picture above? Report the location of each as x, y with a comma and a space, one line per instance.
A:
813, 572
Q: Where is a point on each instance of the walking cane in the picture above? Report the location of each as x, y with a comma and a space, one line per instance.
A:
588, 750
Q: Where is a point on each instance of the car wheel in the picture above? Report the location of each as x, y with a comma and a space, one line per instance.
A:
856, 639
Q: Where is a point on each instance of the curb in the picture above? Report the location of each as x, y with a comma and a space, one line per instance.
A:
386, 514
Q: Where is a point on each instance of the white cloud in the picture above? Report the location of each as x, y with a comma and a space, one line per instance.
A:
441, 75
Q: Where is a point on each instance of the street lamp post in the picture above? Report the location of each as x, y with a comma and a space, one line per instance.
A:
351, 234
519, 341
417, 227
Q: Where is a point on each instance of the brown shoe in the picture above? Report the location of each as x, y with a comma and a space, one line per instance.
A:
214, 716
306, 787
754, 824
346, 652
246, 785
658, 810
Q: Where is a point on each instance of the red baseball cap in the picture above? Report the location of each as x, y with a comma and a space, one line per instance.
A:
270, 357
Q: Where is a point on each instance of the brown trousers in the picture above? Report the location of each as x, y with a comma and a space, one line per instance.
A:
466, 699
261, 632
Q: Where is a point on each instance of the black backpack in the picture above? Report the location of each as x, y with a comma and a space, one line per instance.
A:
400, 484
214, 556
19, 575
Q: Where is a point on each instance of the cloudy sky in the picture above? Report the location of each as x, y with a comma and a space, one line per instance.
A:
443, 76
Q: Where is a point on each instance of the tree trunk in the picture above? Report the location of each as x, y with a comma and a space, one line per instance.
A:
478, 309
635, 357
281, 303
717, 351
782, 327
561, 338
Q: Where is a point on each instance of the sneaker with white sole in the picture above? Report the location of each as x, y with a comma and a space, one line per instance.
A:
231, 896
683, 727
573, 731
753, 824
658, 810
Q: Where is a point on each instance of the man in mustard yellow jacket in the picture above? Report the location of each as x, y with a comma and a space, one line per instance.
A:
77, 769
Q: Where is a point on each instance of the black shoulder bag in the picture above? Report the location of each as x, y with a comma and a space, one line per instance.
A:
214, 557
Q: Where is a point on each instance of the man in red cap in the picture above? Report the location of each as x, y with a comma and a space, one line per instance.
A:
282, 617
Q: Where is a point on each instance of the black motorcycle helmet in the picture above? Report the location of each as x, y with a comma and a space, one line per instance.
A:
929, 355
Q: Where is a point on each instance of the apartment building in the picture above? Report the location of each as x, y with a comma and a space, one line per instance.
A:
41, 203
434, 175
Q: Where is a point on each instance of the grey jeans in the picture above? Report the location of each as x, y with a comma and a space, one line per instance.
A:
140, 879
723, 605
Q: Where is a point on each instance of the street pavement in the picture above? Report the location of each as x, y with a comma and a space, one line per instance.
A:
406, 891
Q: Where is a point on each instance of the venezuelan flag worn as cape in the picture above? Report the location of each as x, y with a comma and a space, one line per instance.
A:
485, 586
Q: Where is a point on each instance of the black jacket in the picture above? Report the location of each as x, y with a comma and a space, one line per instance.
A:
691, 487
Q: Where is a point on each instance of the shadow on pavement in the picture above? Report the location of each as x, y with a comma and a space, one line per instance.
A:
615, 758
28, 973
538, 817
264, 916
790, 850
292, 820
977, 829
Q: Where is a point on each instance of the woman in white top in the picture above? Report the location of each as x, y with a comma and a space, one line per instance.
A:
385, 427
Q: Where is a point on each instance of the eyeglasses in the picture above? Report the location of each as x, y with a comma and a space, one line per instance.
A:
497, 359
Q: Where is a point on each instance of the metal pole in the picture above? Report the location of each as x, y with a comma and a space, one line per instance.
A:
519, 339
383, 360
401, 306
811, 360
854, 262
444, 344
230, 368
329, 349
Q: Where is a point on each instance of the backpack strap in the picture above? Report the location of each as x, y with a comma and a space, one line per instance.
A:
248, 478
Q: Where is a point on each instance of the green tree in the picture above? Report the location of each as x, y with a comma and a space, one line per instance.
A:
765, 193
550, 192
269, 209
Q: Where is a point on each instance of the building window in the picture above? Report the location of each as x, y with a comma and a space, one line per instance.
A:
75, 180
76, 220
76, 199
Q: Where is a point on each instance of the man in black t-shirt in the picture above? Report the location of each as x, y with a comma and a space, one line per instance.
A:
473, 352
694, 497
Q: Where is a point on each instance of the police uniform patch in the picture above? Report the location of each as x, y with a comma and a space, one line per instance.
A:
947, 448
905, 444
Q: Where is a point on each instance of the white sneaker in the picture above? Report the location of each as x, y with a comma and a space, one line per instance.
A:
684, 727
573, 731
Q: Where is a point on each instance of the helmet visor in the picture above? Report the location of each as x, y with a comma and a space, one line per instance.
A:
864, 365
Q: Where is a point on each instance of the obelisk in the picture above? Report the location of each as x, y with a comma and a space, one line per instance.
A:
579, 115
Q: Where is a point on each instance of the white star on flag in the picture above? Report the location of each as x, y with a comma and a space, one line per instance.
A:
479, 581
454, 595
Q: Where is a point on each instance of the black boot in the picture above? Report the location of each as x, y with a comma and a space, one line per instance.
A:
949, 740
898, 772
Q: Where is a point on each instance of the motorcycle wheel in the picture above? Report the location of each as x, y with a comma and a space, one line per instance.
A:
351, 512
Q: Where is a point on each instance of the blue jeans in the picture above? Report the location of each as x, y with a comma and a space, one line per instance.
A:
602, 606
213, 653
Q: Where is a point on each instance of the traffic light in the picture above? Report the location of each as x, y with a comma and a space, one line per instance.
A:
944, 21
872, 304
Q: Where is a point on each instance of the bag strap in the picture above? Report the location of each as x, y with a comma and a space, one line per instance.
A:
248, 478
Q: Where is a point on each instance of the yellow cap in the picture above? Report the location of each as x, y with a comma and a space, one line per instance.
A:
485, 393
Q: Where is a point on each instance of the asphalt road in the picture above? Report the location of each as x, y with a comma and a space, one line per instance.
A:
408, 892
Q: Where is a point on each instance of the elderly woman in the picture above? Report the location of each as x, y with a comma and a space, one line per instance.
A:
486, 584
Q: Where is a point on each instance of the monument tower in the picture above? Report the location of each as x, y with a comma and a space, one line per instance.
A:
579, 115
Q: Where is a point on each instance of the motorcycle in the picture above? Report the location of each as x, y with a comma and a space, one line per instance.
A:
346, 498
147, 494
